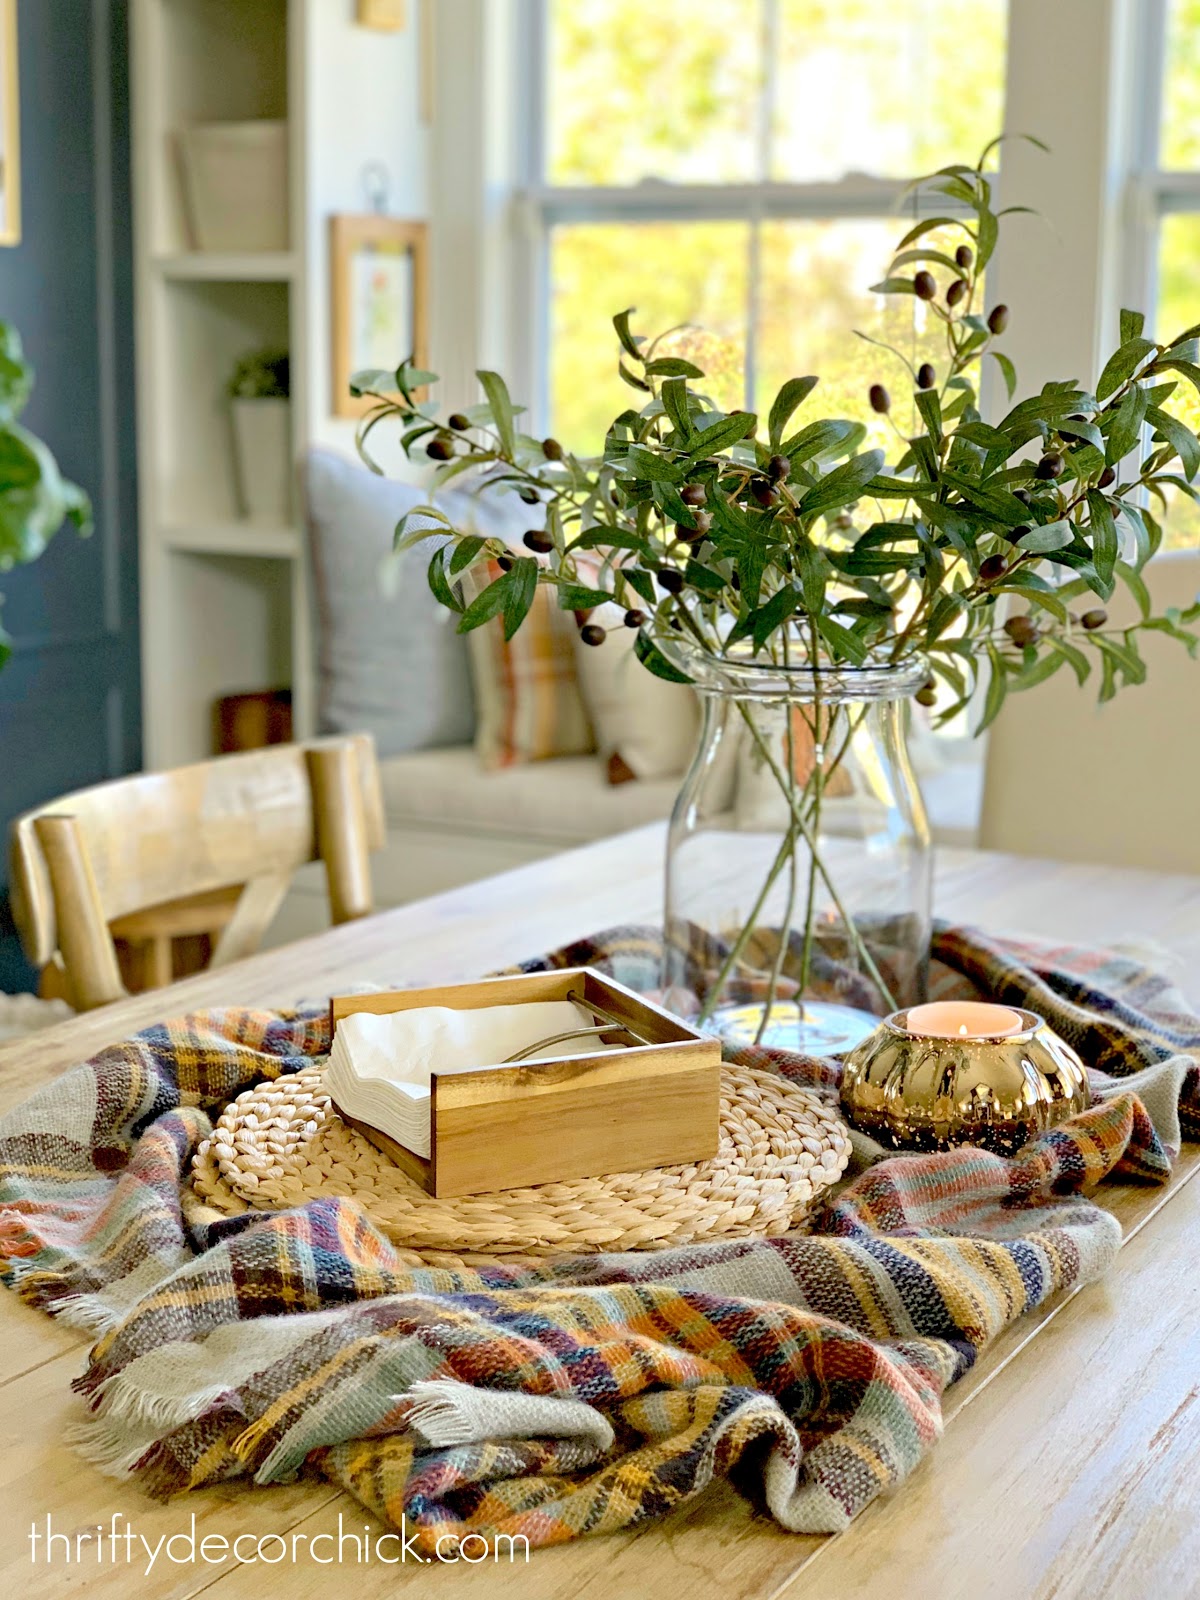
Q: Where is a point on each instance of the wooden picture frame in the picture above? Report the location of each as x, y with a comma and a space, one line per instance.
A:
388, 16
10, 127
379, 276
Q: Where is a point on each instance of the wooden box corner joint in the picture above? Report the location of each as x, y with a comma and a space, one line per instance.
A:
515, 1125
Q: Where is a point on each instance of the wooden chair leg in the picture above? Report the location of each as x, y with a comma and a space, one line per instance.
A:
87, 948
53, 983
158, 969
341, 830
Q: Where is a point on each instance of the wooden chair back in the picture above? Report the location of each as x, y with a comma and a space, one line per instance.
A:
1075, 781
85, 865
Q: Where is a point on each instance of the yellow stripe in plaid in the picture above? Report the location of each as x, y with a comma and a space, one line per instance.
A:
527, 701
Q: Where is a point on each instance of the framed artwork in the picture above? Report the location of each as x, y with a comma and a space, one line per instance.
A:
10, 127
379, 272
387, 15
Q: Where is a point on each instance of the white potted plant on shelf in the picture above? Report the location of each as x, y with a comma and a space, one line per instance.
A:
259, 392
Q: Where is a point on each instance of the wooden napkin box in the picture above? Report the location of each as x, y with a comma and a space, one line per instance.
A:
509, 1126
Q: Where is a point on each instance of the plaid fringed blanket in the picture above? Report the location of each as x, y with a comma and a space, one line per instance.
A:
596, 1391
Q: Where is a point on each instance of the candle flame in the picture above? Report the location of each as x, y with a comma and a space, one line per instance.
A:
962, 1028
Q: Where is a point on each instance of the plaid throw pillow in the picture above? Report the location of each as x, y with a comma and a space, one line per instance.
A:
527, 700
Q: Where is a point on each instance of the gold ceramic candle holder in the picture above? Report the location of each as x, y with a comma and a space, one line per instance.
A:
927, 1092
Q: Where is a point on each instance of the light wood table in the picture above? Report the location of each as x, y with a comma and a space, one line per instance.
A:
1071, 1461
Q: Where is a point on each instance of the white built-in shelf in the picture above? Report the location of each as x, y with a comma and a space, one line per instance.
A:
200, 266
234, 538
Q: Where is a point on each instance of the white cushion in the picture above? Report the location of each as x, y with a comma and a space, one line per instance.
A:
650, 723
564, 801
390, 663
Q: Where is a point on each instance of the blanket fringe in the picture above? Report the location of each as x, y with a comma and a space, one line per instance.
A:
118, 1401
90, 1313
44, 1290
445, 1413
107, 1446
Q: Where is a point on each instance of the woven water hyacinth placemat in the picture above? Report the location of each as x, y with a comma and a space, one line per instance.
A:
283, 1144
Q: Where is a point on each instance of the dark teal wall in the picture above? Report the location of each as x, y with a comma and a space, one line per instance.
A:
69, 712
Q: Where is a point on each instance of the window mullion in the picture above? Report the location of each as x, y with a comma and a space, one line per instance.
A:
765, 118
536, 41
666, 202
1174, 191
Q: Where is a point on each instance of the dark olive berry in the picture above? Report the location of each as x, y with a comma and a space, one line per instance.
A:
703, 522
926, 376
925, 285
670, 580
458, 422
1023, 495
1076, 416
439, 449
926, 695
763, 492
1107, 478
530, 496
1050, 466
635, 618
991, 568
1094, 619
506, 563
998, 319
537, 541
694, 494
956, 291
552, 450
779, 469
881, 400
592, 633
964, 256
1021, 630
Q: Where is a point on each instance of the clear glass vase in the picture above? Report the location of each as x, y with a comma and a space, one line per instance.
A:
799, 864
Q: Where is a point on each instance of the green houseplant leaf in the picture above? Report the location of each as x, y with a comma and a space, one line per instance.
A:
35, 499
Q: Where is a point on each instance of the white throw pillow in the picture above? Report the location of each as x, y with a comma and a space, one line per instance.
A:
389, 659
649, 723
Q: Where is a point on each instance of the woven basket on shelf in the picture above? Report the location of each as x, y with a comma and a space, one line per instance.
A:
283, 1144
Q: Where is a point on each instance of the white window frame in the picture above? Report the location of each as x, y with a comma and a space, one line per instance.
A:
545, 206
491, 212
1155, 192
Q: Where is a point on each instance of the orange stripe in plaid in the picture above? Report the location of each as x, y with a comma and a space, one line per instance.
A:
527, 699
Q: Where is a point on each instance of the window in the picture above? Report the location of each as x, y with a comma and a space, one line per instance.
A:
738, 165
1171, 162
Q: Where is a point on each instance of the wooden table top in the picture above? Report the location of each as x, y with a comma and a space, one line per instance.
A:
1072, 1452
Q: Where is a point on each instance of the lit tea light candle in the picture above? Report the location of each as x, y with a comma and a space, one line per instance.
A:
963, 1019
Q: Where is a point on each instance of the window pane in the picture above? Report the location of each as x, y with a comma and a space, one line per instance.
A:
1181, 88
814, 295
892, 90
638, 91
1179, 308
673, 272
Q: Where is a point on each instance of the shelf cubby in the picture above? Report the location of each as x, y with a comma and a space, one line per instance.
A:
205, 328
224, 598
231, 631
